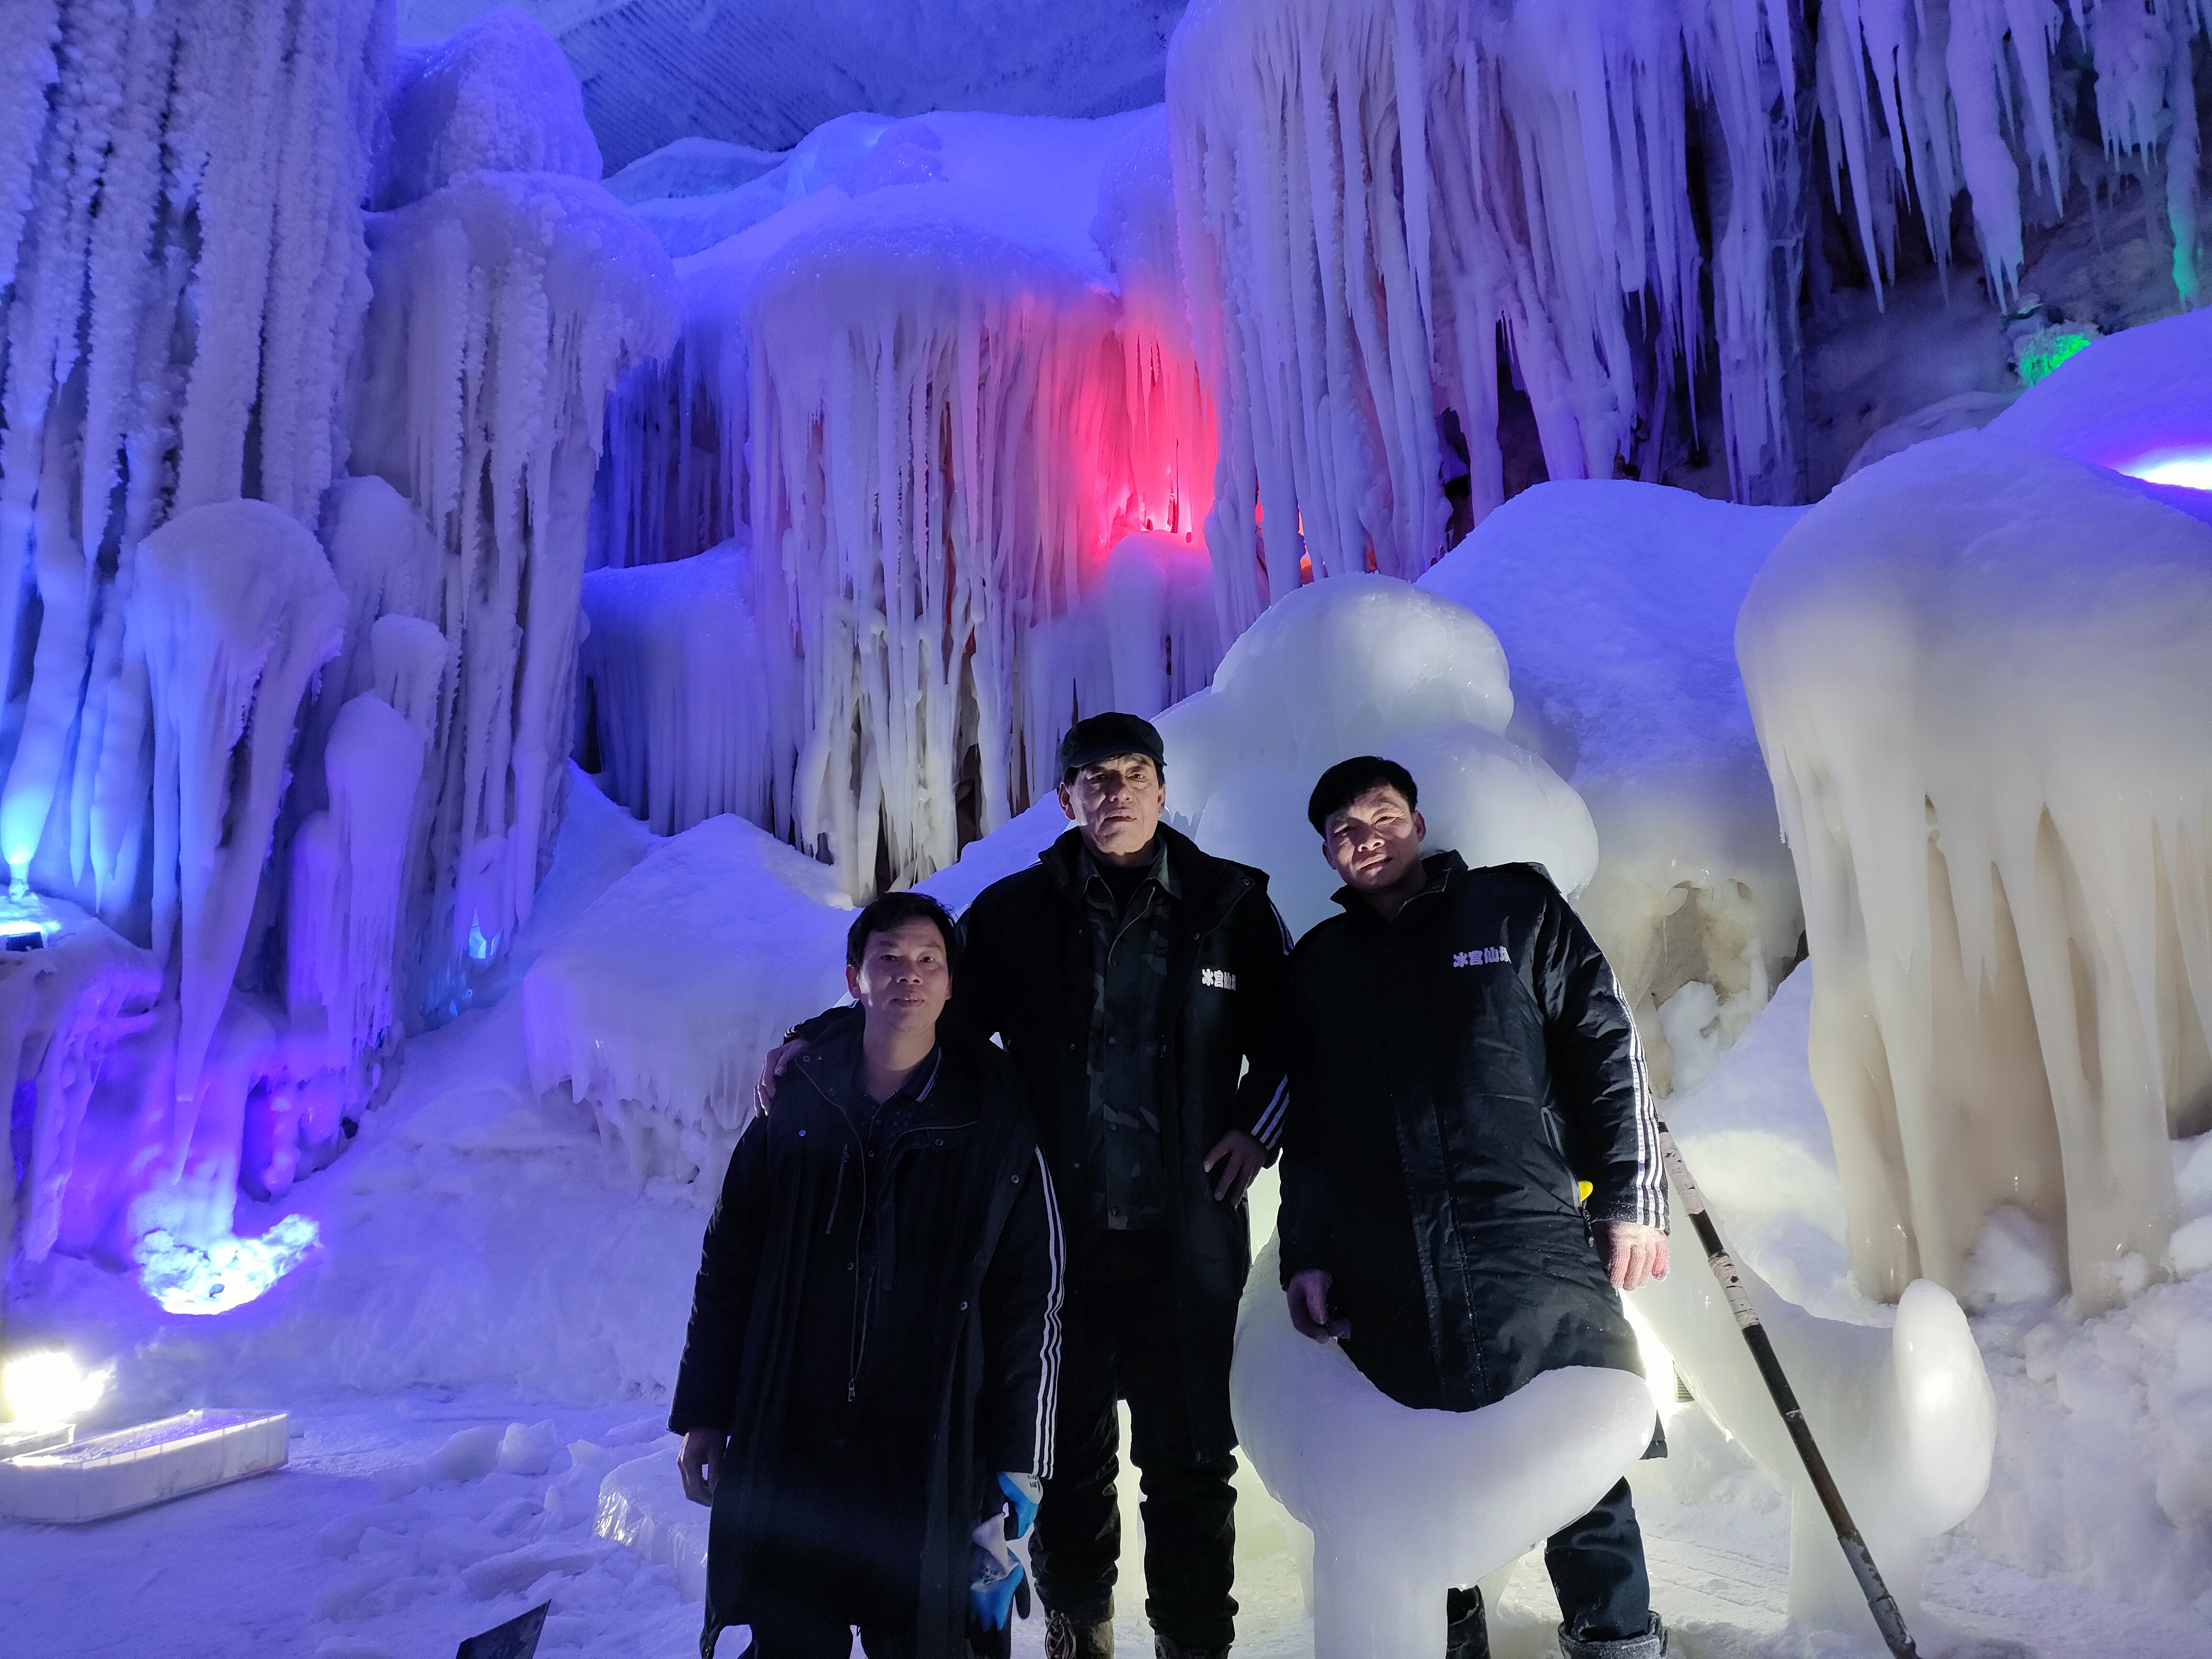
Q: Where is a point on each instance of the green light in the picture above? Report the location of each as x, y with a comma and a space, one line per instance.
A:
2045, 349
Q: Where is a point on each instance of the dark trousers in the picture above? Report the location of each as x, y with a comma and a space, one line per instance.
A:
1596, 1565
845, 1549
1119, 1325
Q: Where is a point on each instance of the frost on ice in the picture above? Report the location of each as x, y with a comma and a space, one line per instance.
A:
1977, 672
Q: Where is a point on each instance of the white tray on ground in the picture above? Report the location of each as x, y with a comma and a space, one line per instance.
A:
114, 1474
17, 1439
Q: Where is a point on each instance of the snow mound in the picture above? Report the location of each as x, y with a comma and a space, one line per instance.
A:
1977, 672
498, 96
2139, 402
1366, 665
657, 1004
1615, 602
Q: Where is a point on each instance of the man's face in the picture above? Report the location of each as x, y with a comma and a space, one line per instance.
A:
1374, 841
1117, 804
903, 979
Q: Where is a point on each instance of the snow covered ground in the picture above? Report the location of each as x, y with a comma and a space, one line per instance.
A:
495, 1311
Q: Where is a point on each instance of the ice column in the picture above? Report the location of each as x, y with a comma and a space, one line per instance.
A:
233, 608
505, 307
1977, 670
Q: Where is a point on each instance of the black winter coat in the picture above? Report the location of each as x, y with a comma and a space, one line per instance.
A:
967, 1246
1456, 1069
1024, 974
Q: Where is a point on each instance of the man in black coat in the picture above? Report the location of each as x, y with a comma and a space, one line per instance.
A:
1463, 1057
870, 1368
1136, 983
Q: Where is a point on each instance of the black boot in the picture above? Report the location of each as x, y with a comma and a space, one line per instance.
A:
1467, 1633
1166, 1647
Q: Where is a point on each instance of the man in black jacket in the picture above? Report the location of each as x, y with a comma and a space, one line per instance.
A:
1462, 1056
1137, 985
873, 1347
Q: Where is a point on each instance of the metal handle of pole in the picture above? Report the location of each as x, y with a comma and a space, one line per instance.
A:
1880, 1601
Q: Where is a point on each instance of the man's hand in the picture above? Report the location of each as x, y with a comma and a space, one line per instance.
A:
1309, 1294
700, 1460
771, 1069
1241, 1158
1634, 1254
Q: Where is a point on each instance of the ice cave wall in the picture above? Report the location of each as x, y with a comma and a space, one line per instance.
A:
935, 394
1390, 211
271, 728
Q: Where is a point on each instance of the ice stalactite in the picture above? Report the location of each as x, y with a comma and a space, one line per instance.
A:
675, 704
1377, 199
939, 390
234, 608
1369, 194
506, 306
1976, 673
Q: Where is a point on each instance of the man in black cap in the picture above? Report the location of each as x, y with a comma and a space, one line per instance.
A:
1136, 983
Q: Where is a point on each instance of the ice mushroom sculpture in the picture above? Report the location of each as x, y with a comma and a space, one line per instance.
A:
1977, 673
1405, 1504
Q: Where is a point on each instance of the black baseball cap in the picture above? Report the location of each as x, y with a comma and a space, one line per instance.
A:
1104, 736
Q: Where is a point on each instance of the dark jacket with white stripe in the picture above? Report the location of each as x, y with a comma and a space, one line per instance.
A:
1026, 975
1457, 1070
904, 1286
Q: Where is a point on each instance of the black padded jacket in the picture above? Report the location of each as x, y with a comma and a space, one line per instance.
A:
1457, 1070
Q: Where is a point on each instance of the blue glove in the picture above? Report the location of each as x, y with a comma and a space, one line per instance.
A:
1000, 1583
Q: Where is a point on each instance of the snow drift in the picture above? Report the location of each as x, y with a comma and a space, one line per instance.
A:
1977, 672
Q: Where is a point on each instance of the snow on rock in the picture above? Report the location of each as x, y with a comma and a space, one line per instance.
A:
641, 1503
1976, 669
1615, 602
540, 289
1366, 666
696, 192
656, 1005
675, 704
496, 96
938, 401
2137, 401
1406, 1504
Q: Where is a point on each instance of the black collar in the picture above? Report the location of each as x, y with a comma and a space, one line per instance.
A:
1442, 869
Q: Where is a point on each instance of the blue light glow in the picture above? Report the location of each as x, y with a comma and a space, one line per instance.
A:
229, 1274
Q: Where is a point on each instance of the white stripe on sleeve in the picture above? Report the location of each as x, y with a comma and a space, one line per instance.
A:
1048, 1405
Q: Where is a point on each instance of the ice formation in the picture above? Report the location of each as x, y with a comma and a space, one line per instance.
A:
1367, 666
232, 662
1977, 672
656, 1005
1406, 1504
1386, 208
938, 389
1615, 602
1903, 1417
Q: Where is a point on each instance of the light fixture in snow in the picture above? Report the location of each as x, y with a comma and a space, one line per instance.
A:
228, 1274
2188, 470
45, 1387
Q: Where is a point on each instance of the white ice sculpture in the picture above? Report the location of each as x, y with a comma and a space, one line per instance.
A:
506, 304
1406, 1504
1904, 1417
1977, 671
940, 389
233, 608
1615, 602
1366, 665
